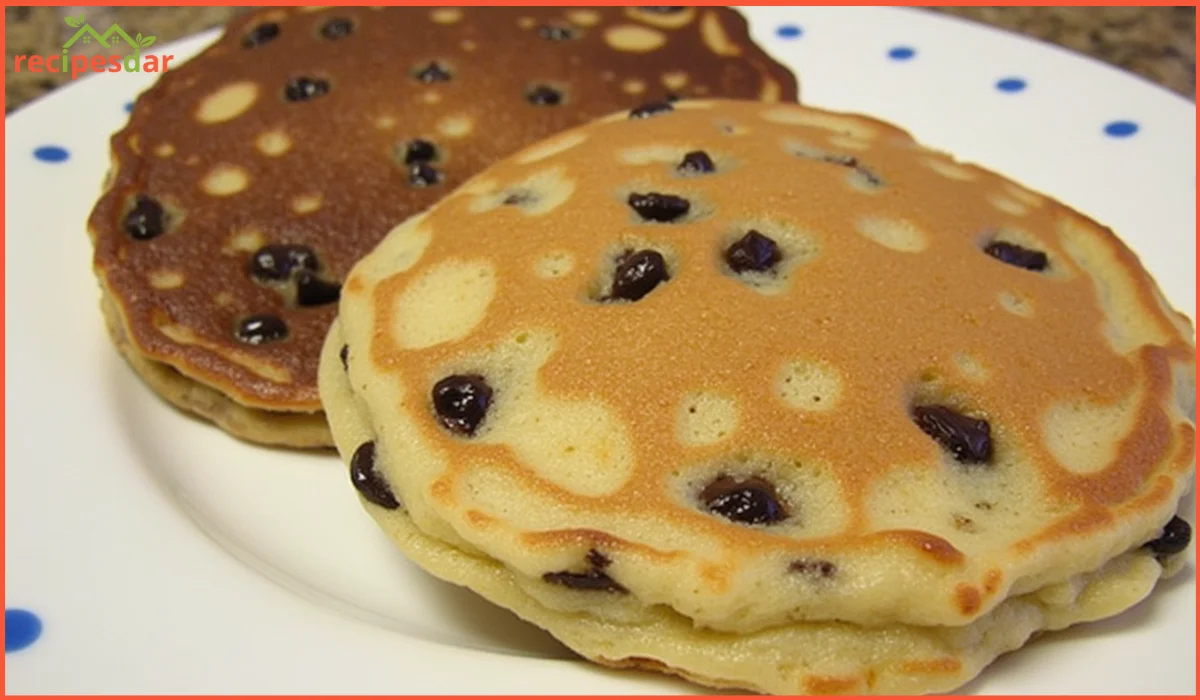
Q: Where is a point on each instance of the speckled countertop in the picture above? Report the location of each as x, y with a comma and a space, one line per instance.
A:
1158, 43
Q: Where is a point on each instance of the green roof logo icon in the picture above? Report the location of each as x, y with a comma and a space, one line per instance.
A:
86, 34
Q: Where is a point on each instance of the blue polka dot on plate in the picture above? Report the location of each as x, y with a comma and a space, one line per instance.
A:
901, 53
128, 106
1121, 129
21, 629
51, 154
789, 31
1011, 85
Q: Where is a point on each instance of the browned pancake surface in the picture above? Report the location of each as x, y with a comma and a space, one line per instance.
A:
236, 165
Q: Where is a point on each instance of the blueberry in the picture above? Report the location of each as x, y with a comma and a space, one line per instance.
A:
543, 95
1018, 256
303, 89
261, 34
313, 291
461, 402
654, 206
423, 175
650, 109
968, 439
1175, 537
637, 274
261, 328
337, 28
751, 501
367, 480
695, 163
753, 252
433, 73
556, 32
419, 151
279, 261
146, 220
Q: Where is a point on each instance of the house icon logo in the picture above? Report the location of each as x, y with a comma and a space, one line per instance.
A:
114, 38
86, 34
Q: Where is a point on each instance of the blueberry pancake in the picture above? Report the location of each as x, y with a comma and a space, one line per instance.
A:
769, 397
251, 178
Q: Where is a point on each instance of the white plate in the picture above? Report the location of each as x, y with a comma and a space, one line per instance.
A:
121, 514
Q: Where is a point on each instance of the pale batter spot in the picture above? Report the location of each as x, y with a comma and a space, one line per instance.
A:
273, 143
770, 90
526, 22
701, 89
223, 299
135, 143
444, 303
554, 146
634, 39
704, 418
185, 336
694, 104
633, 86
1084, 437
713, 33
537, 194
446, 15
950, 170
166, 279
1127, 325
798, 116
456, 126
306, 203
1015, 304
645, 155
164, 150
468, 45
808, 385
431, 97
583, 18
971, 367
732, 128
579, 445
608, 76
1184, 384
225, 180
669, 20
386, 121
675, 80
246, 241
313, 8
849, 143
192, 159
1023, 195
226, 103
897, 234
477, 185
1008, 206
554, 265
397, 252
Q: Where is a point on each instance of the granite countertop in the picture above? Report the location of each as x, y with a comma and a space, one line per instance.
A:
1158, 43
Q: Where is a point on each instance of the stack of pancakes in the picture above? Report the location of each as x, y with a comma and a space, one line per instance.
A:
767, 397
609, 330
252, 177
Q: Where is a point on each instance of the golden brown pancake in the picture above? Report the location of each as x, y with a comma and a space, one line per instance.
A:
251, 178
768, 396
